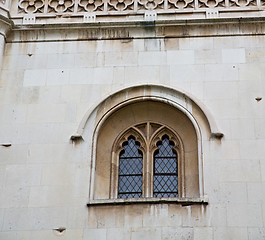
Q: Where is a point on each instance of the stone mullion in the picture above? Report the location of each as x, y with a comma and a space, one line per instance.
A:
147, 170
147, 175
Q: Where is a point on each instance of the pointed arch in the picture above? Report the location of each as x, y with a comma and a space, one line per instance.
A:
117, 148
178, 147
165, 160
158, 92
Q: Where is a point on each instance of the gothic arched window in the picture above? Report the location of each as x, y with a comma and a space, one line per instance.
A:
137, 135
146, 162
130, 180
165, 177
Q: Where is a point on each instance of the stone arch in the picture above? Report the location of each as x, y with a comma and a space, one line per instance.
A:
163, 93
195, 112
134, 114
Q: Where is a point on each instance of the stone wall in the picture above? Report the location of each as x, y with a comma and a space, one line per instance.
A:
51, 77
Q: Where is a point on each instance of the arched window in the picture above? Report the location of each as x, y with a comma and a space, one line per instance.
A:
165, 177
130, 181
147, 160
146, 150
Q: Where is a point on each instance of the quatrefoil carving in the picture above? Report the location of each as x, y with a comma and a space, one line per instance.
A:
91, 5
150, 4
31, 6
61, 6
242, 3
120, 5
212, 3
180, 4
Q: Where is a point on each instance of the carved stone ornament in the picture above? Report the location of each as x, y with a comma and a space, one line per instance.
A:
31, 6
61, 6
211, 3
181, 4
112, 7
131, 132
120, 5
243, 3
151, 4
91, 5
157, 137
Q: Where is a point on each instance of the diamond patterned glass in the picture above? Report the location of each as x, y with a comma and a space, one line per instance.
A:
130, 170
165, 170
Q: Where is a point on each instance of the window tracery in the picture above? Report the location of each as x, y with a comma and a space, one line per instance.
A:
147, 162
147, 122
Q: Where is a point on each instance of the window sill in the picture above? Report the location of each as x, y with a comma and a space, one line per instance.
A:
181, 201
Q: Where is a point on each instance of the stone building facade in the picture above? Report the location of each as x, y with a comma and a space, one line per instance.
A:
81, 80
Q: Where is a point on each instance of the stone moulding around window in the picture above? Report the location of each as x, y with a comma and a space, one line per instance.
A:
181, 201
157, 94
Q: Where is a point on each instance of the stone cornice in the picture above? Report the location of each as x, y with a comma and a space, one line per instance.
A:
137, 29
5, 25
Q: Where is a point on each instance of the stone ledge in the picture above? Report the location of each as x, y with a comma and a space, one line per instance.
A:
139, 23
181, 201
138, 30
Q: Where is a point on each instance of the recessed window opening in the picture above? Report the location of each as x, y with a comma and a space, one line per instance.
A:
130, 179
165, 182
148, 166
147, 150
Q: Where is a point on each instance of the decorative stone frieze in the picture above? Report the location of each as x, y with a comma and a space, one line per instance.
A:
90, 6
31, 6
181, 4
120, 5
110, 7
243, 3
61, 6
151, 4
211, 4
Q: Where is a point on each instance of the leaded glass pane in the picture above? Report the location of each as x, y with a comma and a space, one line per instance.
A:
165, 182
130, 170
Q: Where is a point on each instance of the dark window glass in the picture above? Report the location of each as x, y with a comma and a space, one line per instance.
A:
165, 169
130, 170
